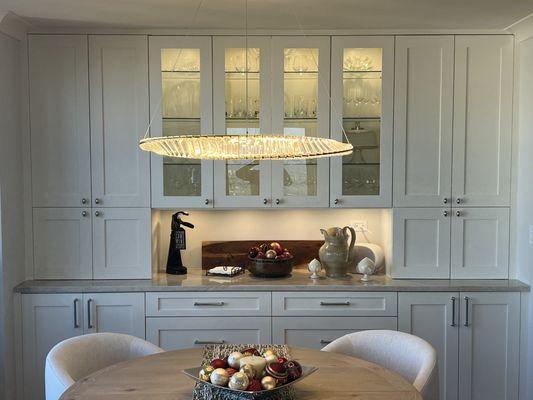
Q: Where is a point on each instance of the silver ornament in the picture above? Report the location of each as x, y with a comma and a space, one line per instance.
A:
239, 381
219, 377
234, 359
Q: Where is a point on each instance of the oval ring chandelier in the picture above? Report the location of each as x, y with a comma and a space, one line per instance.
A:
244, 146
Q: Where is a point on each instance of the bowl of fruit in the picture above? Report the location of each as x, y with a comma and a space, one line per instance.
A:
269, 260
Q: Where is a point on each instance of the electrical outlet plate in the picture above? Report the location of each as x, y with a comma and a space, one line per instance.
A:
360, 226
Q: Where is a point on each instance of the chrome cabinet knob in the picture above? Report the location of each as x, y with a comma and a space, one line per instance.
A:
459, 200
445, 213
97, 213
206, 201
96, 201
83, 201
265, 201
458, 213
445, 201
84, 213
336, 201
278, 201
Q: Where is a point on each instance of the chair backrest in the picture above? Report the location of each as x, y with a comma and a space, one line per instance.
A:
77, 357
407, 355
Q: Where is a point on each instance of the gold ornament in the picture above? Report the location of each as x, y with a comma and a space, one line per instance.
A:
248, 370
269, 352
268, 383
239, 381
205, 373
219, 377
271, 358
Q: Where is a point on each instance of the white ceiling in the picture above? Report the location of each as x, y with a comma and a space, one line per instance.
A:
274, 14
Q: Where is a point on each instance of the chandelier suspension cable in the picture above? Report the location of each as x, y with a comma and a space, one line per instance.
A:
246, 64
336, 114
174, 65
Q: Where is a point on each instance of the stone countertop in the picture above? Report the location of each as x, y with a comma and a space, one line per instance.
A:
196, 281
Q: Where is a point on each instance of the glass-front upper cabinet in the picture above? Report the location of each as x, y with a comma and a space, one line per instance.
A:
300, 106
362, 70
242, 105
181, 104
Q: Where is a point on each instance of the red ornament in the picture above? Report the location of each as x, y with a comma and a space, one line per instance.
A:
278, 371
254, 386
282, 360
218, 363
294, 370
230, 371
250, 352
277, 248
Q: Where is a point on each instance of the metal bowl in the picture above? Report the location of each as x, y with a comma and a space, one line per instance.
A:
268, 268
208, 391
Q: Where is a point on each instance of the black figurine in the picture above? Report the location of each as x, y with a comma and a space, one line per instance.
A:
177, 243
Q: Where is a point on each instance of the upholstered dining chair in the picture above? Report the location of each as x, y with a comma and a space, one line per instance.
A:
77, 357
407, 355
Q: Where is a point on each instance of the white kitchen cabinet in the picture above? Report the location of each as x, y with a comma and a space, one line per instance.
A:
362, 86
122, 243
118, 72
181, 104
242, 104
300, 107
62, 243
435, 318
172, 333
423, 116
480, 243
421, 243
483, 100
489, 339
59, 120
317, 332
47, 319
114, 312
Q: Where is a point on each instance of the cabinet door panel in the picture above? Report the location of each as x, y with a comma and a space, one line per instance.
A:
59, 119
317, 332
114, 312
181, 104
62, 243
172, 333
421, 243
480, 243
489, 346
47, 319
119, 118
122, 243
423, 120
435, 318
483, 120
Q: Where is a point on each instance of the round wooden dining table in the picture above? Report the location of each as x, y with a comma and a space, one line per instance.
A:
159, 377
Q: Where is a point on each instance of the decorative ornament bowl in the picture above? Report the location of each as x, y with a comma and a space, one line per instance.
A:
214, 392
269, 268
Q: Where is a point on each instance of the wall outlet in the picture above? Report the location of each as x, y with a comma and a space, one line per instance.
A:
360, 226
530, 234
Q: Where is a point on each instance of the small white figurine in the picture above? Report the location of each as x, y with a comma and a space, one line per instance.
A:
314, 267
366, 267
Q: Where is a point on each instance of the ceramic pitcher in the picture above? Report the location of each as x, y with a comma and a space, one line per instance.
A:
335, 253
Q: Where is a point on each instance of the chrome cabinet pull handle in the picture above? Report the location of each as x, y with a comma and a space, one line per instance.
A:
336, 201
90, 324
458, 213
214, 303
324, 341
343, 303
265, 201
467, 307
206, 201
453, 311
445, 201
96, 201
445, 213
84, 213
98, 213
278, 201
459, 200
83, 201
196, 341
76, 320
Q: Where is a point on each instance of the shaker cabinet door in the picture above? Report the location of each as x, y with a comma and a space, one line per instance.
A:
423, 114
482, 120
59, 120
421, 243
119, 118
62, 243
122, 243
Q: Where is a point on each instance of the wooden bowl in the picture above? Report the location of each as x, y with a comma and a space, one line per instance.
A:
268, 268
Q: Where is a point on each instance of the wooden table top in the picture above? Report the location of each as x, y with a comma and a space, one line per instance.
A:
159, 377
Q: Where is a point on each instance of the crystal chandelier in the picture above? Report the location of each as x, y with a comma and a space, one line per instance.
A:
244, 146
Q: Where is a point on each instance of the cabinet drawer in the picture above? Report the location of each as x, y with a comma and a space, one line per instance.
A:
316, 333
208, 304
333, 304
171, 333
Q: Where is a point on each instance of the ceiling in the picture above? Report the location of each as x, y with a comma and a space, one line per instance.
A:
273, 14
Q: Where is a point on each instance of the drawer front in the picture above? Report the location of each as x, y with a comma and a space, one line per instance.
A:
188, 304
172, 333
333, 304
316, 333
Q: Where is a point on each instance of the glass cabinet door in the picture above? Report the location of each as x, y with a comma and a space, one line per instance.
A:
300, 106
361, 105
241, 87
180, 104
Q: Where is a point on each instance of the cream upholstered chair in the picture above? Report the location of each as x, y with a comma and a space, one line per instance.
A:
75, 358
407, 355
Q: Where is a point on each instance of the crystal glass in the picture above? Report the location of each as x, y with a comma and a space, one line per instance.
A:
242, 79
362, 120
180, 108
300, 116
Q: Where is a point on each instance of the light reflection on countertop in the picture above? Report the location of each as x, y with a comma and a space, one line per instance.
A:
196, 280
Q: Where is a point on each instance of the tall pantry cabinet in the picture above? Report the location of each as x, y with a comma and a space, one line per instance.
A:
90, 182
452, 156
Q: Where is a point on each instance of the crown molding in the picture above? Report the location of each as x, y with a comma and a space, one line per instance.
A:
13, 26
522, 29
